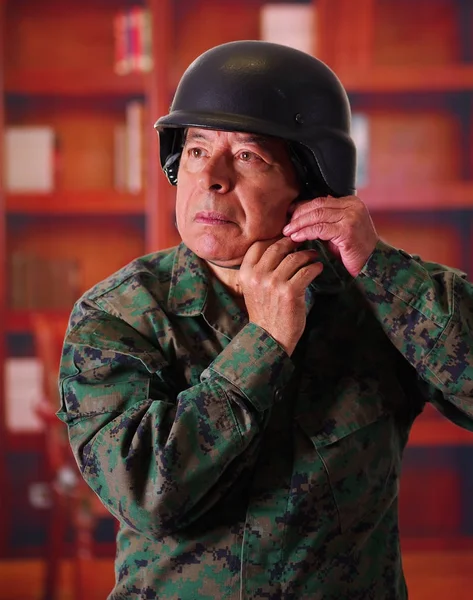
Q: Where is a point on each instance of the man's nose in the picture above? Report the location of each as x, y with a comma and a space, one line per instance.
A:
216, 175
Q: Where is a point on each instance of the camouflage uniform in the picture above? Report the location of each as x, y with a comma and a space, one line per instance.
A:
237, 472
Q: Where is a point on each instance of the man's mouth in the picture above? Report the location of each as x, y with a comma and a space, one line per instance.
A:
212, 218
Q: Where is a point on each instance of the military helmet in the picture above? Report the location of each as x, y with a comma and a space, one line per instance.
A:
268, 89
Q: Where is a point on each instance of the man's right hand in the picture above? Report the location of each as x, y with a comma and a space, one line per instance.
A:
273, 279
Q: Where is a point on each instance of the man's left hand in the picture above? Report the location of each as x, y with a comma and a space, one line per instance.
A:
344, 223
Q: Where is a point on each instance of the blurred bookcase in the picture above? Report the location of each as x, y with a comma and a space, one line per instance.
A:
408, 68
59, 60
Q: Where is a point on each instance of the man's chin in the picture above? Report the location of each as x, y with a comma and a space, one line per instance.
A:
218, 258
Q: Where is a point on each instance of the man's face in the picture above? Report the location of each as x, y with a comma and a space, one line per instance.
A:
233, 189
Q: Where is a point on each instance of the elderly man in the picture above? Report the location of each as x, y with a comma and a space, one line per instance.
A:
241, 402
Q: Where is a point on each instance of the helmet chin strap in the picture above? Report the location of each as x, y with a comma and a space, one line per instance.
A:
234, 267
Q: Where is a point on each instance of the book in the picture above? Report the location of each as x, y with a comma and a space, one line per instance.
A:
29, 159
146, 56
129, 150
122, 58
120, 155
23, 389
133, 41
289, 24
361, 136
134, 146
38, 283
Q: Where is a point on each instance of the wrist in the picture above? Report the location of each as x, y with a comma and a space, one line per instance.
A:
287, 343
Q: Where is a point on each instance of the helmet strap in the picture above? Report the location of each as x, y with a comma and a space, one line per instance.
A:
171, 167
234, 267
313, 185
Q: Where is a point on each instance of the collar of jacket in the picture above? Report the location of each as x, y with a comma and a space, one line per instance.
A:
190, 280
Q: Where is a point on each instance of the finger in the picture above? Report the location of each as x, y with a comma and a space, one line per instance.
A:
319, 231
256, 251
321, 202
276, 253
305, 276
317, 215
294, 262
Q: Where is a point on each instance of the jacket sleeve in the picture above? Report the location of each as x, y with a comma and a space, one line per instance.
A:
426, 310
158, 458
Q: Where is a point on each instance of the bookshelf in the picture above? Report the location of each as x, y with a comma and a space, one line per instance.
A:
58, 61
407, 64
375, 79
90, 202
4, 482
67, 84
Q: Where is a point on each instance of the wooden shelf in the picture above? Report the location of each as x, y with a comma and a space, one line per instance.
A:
445, 196
87, 202
446, 78
75, 83
19, 321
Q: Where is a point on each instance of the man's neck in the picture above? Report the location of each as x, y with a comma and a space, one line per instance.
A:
229, 277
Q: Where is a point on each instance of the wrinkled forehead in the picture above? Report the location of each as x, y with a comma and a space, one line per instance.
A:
239, 136
204, 134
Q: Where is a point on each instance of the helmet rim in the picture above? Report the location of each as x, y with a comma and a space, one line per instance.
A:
222, 122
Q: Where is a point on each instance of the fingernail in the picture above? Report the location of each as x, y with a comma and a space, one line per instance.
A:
286, 229
297, 236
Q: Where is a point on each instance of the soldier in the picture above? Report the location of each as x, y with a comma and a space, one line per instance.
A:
241, 403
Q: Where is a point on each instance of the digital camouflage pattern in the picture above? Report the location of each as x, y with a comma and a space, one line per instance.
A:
237, 472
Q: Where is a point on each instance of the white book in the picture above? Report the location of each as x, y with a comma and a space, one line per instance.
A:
134, 146
120, 175
147, 39
360, 133
23, 390
29, 159
289, 24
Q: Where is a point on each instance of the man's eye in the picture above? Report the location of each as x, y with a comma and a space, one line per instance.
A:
195, 152
247, 156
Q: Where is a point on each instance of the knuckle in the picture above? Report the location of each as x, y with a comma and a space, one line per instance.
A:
309, 270
351, 226
254, 279
293, 257
310, 255
244, 272
266, 283
358, 202
311, 217
288, 293
301, 273
353, 213
276, 247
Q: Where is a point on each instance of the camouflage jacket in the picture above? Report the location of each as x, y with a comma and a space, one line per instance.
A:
237, 472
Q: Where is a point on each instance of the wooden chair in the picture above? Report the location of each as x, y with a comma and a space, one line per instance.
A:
73, 506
